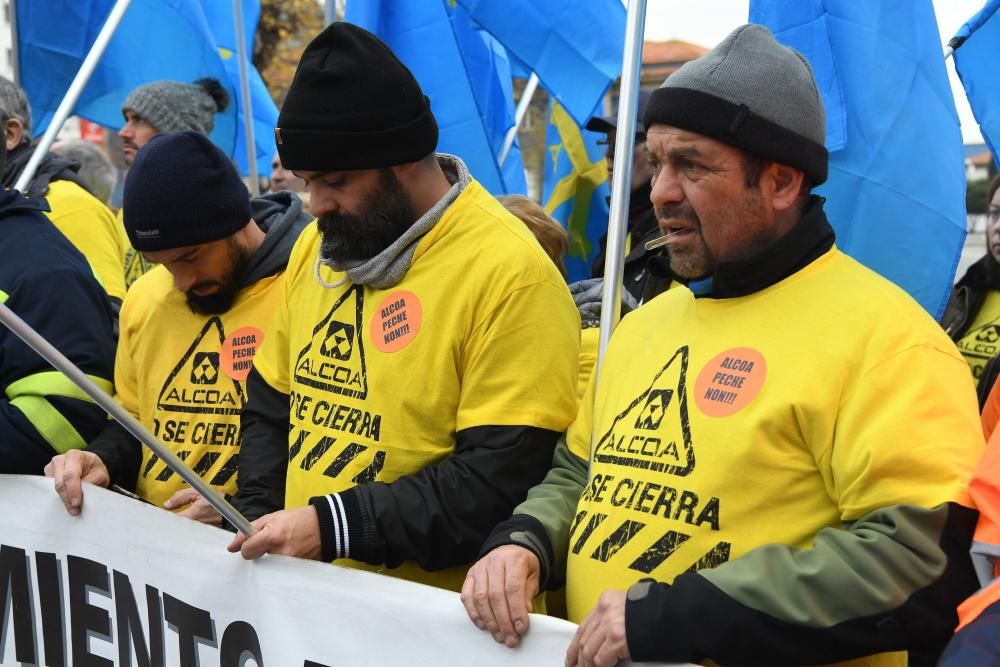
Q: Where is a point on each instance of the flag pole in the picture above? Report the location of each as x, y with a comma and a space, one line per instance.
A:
247, 103
14, 54
522, 110
628, 101
73, 94
35, 341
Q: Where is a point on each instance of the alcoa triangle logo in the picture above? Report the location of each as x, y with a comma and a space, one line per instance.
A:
196, 384
334, 358
654, 432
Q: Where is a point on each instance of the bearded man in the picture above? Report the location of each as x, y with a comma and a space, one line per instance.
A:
422, 363
190, 326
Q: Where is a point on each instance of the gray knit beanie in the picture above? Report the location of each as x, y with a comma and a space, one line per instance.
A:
752, 93
171, 106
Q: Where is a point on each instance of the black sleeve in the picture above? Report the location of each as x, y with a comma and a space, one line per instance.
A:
42, 413
263, 458
440, 516
890, 581
121, 454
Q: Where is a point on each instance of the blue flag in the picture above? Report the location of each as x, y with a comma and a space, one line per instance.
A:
219, 15
574, 47
157, 39
575, 188
896, 191
977, 44
463, 71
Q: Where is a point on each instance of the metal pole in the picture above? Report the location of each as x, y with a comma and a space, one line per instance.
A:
621, 184
519, 115
14, 55
247, 103
36, 342
73, 94
330, 11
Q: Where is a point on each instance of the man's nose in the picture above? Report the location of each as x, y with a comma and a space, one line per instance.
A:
666, 187
184, 280
321, 204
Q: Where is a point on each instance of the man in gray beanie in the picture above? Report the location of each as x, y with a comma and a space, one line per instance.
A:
170, 106
772, 466
165, 106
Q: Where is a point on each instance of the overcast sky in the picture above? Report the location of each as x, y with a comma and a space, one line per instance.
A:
707, 22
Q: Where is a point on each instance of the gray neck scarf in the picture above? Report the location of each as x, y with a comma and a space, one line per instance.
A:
389, 266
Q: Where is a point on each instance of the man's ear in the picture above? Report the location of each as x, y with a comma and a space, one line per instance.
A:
12, 130
787, 184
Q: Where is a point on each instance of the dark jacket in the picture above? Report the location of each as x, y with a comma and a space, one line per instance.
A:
282, 218
642, 227
967, 298
968, 295
53, 167
49, 284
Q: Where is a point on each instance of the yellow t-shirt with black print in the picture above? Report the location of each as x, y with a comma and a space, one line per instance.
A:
183, 376
722, 425
380, 380
92, 229
981, 341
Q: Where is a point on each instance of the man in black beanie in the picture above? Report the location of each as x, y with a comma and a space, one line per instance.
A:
423, 362
772, 467
189, 327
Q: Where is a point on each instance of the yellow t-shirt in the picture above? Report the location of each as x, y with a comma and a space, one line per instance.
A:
380, 380
725, 424
182, 375
133, 263
981, 341
91, 228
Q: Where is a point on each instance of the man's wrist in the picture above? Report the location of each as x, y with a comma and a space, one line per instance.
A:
340, 521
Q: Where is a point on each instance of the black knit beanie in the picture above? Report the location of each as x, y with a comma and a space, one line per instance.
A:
181, 191
353, 105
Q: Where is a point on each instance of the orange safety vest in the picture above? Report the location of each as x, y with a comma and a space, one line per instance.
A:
985, 490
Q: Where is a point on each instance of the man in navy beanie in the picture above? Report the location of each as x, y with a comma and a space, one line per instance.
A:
189, 327
423, 362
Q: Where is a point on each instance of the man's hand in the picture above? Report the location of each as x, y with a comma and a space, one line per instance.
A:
293, 532
70, 470
600, 639
498, 590
198, 508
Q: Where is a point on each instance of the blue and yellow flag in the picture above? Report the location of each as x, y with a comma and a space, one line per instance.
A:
178, 40
575, 188
464, 72
976, 46
896, 190
574, 47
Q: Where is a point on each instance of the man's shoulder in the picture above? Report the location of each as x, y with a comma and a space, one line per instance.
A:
68, 198
150, 291
304, 252
32, 245
502, 247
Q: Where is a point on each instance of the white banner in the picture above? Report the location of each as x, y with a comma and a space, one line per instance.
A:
129, 584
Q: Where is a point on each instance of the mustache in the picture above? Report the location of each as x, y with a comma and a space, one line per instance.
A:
678, 211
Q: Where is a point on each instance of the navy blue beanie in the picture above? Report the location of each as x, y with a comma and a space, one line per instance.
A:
181, 190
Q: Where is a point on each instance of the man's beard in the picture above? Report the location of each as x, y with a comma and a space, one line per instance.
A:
689, 265
229, 286
385, 215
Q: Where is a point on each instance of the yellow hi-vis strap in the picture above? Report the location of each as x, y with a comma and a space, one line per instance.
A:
28, 395
3, 296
